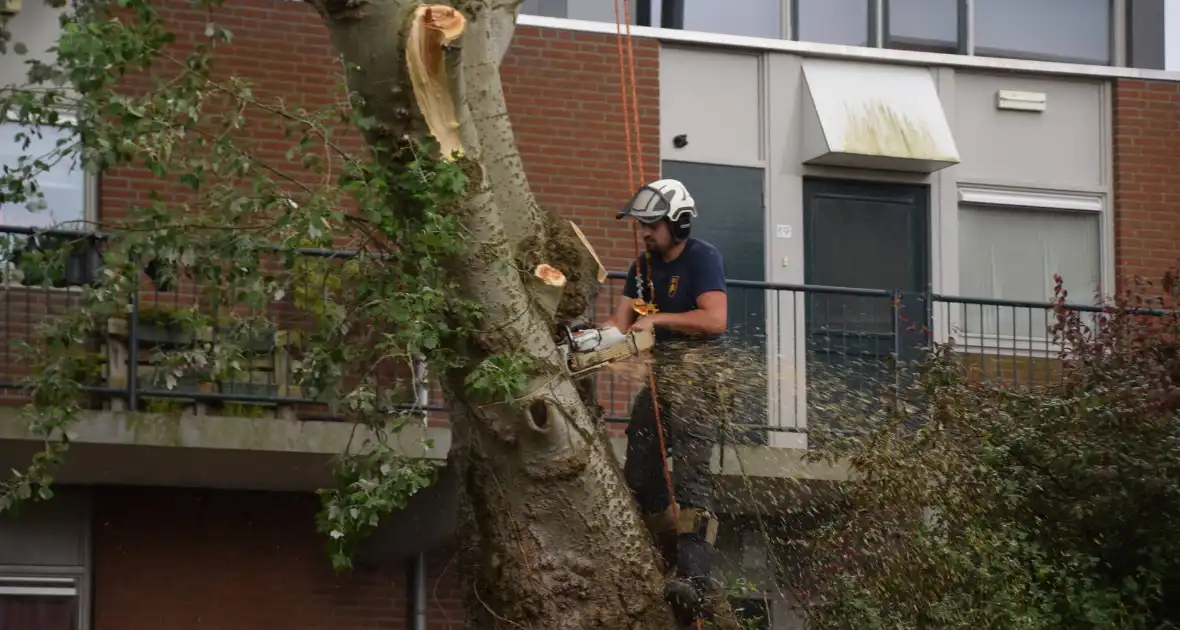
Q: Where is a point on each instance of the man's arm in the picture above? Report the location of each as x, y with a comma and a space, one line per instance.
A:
708, 319
712, 313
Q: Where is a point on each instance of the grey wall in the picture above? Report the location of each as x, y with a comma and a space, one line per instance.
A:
746, 108
743, 108
1060, 147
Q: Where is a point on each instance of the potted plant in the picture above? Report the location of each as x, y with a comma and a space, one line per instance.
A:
166, 326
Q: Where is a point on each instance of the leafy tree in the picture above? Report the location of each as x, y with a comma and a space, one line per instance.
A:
981, 505
414, 171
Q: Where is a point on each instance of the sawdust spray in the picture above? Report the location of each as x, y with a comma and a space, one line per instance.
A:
769, 498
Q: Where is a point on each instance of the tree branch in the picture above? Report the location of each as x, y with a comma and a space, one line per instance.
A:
482, 53
502, 25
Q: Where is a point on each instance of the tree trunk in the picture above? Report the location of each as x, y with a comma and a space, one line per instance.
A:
550, 530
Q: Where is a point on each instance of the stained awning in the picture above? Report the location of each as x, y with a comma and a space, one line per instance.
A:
874, 116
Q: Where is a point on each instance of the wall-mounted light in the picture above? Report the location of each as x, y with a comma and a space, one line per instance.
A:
1021, 101
680, 141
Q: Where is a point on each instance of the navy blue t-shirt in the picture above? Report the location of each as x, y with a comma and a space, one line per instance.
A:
698, 269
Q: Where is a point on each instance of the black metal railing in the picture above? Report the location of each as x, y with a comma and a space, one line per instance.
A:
128, 373
801, 355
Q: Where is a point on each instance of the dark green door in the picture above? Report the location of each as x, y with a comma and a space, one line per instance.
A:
731, 214
861, 235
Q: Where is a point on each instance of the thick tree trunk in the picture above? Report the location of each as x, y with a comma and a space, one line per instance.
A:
553, 538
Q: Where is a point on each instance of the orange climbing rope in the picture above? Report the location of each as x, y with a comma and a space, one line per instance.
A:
635, 166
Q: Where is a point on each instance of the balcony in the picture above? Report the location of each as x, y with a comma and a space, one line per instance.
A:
805, 357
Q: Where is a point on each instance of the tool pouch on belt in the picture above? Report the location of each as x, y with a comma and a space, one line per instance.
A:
691, 521
694, 521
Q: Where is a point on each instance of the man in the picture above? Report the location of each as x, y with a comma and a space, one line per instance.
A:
683, 278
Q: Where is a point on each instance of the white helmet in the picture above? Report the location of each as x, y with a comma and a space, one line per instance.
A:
662, 199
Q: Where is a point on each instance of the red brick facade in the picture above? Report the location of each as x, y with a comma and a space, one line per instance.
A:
563, 97
187, 559
181, 559
184, 559
1147, 177
563, 91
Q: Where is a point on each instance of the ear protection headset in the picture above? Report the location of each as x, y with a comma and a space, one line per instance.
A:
681, 227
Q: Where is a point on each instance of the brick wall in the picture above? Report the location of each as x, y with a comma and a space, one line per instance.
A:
1147, 177
563, 95
181, 559
564, 102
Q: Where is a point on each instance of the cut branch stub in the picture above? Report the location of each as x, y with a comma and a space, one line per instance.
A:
433, 27
549, 288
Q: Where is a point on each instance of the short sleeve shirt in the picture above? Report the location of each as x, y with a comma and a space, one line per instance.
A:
677, 284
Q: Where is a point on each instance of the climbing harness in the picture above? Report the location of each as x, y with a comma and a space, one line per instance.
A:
634, 167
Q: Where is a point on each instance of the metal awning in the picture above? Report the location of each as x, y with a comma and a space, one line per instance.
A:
874, 116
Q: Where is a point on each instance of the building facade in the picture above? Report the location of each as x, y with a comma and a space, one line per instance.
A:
894, 171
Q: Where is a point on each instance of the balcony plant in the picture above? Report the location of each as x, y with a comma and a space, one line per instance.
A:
163, 325
52, 260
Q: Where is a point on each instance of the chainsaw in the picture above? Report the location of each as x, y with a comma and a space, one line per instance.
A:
590, 349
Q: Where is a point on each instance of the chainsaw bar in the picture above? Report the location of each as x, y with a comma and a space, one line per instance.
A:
582, 363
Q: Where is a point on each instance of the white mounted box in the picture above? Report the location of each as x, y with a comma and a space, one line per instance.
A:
1022, 101
874, 116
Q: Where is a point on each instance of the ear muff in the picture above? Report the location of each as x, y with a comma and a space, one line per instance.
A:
681, 227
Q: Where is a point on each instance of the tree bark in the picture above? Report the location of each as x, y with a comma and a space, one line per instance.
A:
550, 531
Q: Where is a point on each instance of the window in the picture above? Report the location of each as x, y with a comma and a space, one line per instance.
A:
590, 10
752, 18
1071, 31
922, 25
547, 8
39, 603
1010, 247
843, 22
65, 188
63, 184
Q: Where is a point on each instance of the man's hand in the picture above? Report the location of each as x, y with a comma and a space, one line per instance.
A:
708, 319
646, 322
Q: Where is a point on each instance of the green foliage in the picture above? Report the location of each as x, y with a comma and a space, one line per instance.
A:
500, 378
368, 487
748, 602
981, 505
359, 245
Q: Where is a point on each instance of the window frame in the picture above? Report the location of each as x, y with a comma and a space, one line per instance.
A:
1027, 200
11, 277
877, 27
1116, 32
964, 16
76, 577
873, 27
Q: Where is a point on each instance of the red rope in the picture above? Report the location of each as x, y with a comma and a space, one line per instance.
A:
632, 108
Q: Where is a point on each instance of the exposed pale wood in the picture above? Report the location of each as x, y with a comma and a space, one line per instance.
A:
435, 26
590, 249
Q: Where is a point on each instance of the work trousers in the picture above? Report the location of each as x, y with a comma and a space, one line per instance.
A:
690, 431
